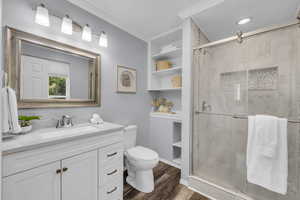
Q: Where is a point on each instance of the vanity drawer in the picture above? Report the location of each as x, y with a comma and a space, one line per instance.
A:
111, 172
113, 191
111, 154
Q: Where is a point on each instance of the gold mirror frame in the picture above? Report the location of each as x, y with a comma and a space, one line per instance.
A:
14, 39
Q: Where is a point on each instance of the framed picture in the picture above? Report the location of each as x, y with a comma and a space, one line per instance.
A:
126, 79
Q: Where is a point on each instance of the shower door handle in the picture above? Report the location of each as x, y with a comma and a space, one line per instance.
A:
197, 112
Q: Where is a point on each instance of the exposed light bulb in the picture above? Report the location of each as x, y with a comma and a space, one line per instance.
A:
103, 39
244, 21
67, 25
87, 33
42, 16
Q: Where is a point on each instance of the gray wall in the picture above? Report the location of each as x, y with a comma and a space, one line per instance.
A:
123, 49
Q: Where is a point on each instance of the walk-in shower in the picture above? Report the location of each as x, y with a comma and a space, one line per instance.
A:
232, 80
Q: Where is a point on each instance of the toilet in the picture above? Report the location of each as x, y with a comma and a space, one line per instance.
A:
139, 162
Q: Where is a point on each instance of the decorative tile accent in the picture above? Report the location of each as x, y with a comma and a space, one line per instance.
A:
263, 79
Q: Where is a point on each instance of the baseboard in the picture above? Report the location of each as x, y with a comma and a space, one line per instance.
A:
184, 182
213, 191
202, 193
169, 163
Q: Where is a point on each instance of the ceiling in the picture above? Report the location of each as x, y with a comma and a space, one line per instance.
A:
217, 18
220, 21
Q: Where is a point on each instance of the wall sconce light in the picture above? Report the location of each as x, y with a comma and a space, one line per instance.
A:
87, 33
103, 39
42, 16
67, 25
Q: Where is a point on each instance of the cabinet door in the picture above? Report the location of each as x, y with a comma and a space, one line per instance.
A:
42, 183
79, 177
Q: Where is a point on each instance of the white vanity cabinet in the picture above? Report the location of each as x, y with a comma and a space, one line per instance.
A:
38, 183
79, 177
81, 169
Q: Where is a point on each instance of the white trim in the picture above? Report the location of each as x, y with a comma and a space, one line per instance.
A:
166, 89
217, 192
84, 4
166, 33
186, 115
198, 8
205, 195
176, 116
169, 163
184, 182
149, 67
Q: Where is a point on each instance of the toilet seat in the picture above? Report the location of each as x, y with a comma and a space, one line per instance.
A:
142, 153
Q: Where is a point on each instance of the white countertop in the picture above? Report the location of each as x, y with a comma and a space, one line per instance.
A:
56, 135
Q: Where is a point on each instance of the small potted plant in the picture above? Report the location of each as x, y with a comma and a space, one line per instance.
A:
25, 122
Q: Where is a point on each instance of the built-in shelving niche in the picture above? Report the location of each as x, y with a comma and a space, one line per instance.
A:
161, 80
177, 142
160, 86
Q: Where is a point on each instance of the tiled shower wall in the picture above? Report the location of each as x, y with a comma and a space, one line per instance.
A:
259, 76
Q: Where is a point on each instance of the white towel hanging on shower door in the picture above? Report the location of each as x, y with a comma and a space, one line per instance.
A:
267, 165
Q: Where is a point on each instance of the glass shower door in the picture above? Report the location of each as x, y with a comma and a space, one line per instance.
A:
259, 76
220, 90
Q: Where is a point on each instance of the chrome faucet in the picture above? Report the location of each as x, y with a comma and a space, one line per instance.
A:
206, 107
64, 122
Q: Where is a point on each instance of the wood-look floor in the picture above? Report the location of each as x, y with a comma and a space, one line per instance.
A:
167, 187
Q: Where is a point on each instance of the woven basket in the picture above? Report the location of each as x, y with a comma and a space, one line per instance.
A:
162, 65
176, 81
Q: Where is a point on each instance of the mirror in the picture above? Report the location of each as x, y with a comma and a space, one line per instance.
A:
46, 73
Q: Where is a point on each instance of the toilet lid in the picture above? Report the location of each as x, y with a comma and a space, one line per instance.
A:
142, 153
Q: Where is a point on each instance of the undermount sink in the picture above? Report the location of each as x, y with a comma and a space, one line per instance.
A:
70, 131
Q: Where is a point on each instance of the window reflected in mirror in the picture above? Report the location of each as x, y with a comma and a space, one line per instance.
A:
58, 87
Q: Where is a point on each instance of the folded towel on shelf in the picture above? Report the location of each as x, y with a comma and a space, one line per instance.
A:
267, 155
9, 111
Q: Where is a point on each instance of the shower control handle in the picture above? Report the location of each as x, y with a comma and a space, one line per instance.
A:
206, 107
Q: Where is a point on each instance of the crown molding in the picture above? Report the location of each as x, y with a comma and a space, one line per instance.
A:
89, 7
198, 8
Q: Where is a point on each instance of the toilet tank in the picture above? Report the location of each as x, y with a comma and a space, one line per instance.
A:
130, 133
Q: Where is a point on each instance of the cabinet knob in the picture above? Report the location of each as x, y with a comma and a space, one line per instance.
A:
58, 171
65, 169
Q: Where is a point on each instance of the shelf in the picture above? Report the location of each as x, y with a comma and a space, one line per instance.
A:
169, 54
177, 144
165, 89
166, 115
167, 71
177, 161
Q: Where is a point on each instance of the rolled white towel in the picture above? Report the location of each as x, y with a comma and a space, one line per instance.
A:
4, 111
13, 107
9, 111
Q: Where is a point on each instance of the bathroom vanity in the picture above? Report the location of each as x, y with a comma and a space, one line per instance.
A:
82, 162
